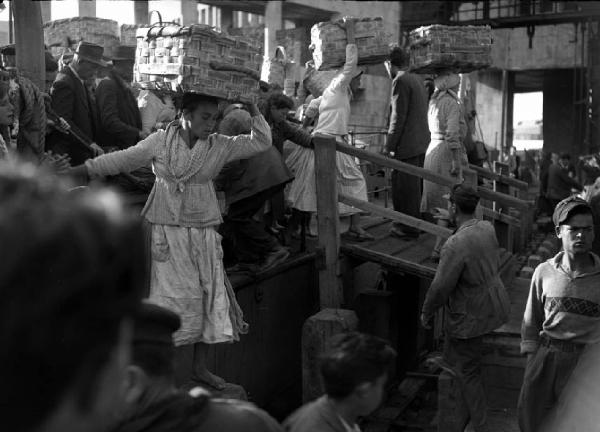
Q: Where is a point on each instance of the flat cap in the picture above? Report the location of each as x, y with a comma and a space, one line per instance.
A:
566, 206
155, 324
464, 195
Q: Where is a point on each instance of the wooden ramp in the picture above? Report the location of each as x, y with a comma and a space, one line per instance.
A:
400, 255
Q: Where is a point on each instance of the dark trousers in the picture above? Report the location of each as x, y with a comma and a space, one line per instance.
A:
464, 357
406, 192
546, 376
249, 239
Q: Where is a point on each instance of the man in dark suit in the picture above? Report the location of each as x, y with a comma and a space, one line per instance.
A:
72, 101
408, 137
120, 120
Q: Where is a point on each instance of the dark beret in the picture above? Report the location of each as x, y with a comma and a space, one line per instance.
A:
155, 324
464, 195
566, 206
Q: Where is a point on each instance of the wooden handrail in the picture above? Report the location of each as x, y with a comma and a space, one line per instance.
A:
396, 216
429, 175
510, 220
519, 184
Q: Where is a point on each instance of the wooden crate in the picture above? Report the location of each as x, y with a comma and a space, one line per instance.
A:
179, 59
328, 42
70, 31
461, 48
128, 34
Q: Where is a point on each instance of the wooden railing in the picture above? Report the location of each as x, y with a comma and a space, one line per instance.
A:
328, 198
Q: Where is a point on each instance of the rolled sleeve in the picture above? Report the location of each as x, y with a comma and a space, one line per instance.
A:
533, 317
348, 71
123, 161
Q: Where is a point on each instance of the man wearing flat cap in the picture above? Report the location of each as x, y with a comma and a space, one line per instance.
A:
467, 284
562, 315
153, 404
73, 101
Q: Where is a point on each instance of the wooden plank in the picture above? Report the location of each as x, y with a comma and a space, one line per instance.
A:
393, 263
425, 174
503, 230
29, 38
394, 215
519, 184
510, 220
328, 223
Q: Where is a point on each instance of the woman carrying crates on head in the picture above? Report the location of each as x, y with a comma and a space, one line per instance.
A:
187, 274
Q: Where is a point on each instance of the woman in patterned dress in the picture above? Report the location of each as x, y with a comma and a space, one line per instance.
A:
187, 274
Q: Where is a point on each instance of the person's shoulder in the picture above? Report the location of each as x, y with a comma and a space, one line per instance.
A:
311, 417
106, 84
235, 415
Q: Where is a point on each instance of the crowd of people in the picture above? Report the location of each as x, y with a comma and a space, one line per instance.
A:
220, 191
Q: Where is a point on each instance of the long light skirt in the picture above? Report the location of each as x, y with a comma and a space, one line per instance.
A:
302, 193
188, 277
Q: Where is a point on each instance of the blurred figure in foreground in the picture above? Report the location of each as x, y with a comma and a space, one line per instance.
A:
70, 281
153, 404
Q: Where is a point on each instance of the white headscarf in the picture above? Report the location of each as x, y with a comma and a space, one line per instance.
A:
444, 83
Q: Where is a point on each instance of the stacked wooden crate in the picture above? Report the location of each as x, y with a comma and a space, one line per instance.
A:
460, 48
328, 42
183, 59
128, 34
63, 35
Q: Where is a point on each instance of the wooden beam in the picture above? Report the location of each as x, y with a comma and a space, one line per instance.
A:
395, 216
328, 224
519, 184
29, 39
431, 176
488, 212
399, 265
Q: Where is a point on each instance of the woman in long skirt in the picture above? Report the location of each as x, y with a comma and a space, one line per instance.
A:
188, 275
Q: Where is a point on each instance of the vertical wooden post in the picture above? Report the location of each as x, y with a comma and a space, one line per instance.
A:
29, 38
503, 230
328, 222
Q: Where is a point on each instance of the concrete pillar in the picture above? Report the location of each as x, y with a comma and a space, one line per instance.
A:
227, 18
29, 39
140, 11
189, 12
273, 22
46, 8
87, 8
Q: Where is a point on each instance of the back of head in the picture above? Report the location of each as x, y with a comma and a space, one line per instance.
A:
398, 57
72, 270
236, 121
353, 359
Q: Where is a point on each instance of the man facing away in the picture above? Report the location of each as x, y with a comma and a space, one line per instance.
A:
71, 278
467, 284
560, 182
153, 404
354, 371
73, 101
562, 315
408, 137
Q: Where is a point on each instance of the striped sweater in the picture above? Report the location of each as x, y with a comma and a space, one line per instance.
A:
560, 306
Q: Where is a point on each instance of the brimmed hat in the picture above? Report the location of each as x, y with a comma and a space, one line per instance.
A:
124, 52
566, 206
154, 324
91, 52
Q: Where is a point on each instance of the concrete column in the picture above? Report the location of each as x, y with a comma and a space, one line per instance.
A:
140, 11
226, 18
273, 22
87, 8
46, 8
189, 12
29, 39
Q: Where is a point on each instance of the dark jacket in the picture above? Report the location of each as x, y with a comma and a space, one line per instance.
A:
120, 118
74, 102
468, 284
559, 183
316, 416
408, 134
